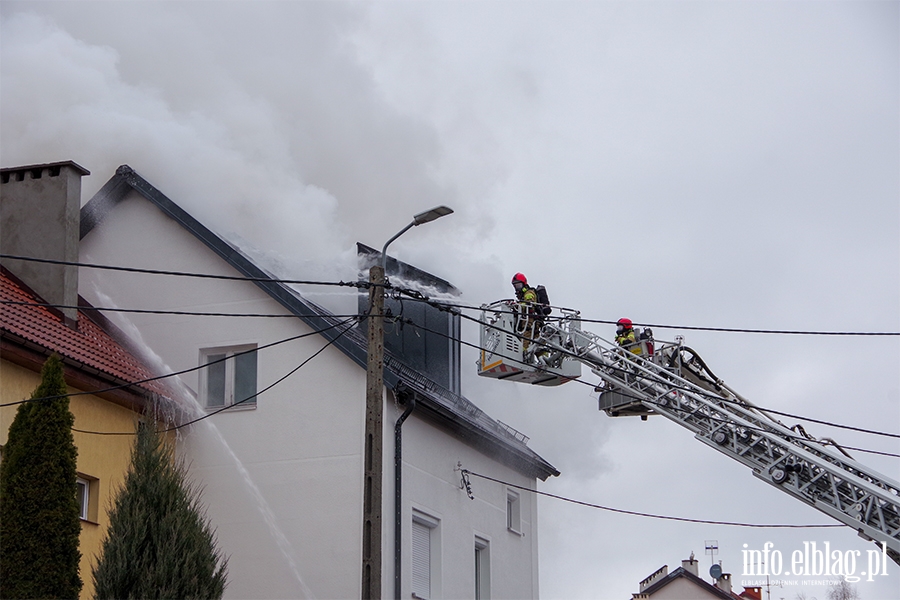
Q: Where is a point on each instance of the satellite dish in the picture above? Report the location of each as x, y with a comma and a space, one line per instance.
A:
715, 571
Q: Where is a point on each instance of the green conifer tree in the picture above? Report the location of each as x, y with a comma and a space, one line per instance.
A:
159, 543
39, 524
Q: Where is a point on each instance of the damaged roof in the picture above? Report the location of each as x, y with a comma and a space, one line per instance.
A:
435, 403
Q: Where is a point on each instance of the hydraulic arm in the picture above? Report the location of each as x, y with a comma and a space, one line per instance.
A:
670, 379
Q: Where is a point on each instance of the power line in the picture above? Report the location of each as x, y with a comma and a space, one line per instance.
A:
177, 373
475, 346
356, 284
769, 331
807, 439
820, 422
267, 388
264, 315
642, 514
230, 406
707, 395
158, 312
416, 296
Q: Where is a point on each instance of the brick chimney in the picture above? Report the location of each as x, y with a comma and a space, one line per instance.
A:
39, 218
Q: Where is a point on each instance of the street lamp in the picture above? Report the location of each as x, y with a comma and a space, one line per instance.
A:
425, 217
372, 465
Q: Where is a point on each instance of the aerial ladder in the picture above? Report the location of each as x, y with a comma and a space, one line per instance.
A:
672, 380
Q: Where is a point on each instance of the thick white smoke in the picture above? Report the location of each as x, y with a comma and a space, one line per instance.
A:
286, 142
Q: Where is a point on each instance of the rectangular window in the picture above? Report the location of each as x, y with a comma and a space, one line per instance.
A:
83, 495
425, 555
229, 377
513, 512
87, 490
421, 560
482, 569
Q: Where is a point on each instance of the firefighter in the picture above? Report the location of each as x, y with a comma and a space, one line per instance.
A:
626, 337
524, 293
527, 297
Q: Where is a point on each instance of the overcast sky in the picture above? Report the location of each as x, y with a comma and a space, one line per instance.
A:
724, 164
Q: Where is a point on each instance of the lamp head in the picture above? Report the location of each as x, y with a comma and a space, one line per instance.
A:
430, 215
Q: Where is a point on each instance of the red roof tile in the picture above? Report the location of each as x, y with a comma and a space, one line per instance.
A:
89, 344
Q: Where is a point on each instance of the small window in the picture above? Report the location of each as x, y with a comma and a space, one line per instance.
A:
87, 490
229, 377
83, 495
482, 569
513, 512
424, 555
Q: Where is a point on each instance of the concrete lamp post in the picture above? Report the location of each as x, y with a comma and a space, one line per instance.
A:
372, 465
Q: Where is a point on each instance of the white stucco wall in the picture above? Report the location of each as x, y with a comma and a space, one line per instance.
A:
295, 531
431, 485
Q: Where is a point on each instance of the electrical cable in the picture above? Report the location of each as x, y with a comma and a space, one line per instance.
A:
230, 406
660, 326
157, 312
806, 439
356, 284
177, 373
709, 396
739, 330
642, 514
418, 296
269, 387
820, 422
431, 303
414, 295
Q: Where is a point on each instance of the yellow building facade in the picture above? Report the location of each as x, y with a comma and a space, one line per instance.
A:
102, 459
96, 359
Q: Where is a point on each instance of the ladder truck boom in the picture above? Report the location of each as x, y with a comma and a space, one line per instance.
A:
670, 379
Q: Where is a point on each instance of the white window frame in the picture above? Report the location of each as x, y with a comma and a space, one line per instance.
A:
425, 583
230, 371
513, 511
88, 496
83, 496
482, 568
